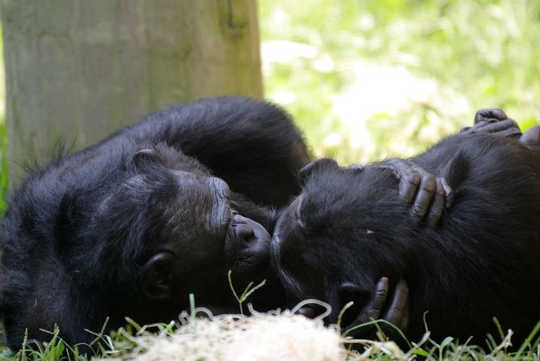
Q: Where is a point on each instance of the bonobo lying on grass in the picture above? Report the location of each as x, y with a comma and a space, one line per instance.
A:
333, 243
132, 225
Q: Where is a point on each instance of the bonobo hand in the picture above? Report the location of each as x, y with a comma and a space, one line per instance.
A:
494, 122
397, 314
430, 193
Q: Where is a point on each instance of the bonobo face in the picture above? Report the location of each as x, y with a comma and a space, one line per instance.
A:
324, 242
186, 228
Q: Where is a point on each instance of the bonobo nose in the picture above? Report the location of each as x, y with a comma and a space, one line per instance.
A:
250, 235
248, 245
243, 229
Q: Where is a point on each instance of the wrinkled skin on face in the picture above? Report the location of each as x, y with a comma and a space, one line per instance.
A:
200, 229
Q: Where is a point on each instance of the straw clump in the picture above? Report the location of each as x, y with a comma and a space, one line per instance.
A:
262, 337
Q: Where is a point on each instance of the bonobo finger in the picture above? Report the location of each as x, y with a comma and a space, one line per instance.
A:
435, 212
424, 196
381, 293
448, 192
408, 185
488, 114
509, 133
498, 128
408, 175
398, 312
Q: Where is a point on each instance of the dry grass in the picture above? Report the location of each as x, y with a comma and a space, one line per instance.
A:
260, 337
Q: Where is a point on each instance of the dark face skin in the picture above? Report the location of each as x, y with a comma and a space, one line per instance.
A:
194, 232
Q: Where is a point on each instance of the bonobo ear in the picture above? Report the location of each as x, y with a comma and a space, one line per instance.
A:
156, 277
456, 170
308, 169
146, 156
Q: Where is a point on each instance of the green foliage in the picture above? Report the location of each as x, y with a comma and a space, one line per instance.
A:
369, 79
248, 291
374, 78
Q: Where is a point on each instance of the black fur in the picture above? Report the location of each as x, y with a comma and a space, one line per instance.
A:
78, 232
482, 261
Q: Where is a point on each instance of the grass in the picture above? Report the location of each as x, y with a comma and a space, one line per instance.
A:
210, 335
376, 78
133, 339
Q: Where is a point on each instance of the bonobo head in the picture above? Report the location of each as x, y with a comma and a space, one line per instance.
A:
331, 245
188, 228
129, 230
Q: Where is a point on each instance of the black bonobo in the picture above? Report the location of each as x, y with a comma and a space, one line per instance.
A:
333, 243
134, 224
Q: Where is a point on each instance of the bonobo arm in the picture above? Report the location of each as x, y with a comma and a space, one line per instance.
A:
431, 194
251, 144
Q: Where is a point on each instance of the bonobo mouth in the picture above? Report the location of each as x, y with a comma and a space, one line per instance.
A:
247, 245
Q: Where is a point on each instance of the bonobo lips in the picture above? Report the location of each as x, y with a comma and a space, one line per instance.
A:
247, 245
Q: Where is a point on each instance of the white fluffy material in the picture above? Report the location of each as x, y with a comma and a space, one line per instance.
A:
263, 337
236, 338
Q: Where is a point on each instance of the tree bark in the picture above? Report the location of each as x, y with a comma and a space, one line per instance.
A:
76, 70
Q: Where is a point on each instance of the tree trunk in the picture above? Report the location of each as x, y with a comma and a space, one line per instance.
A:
76, 70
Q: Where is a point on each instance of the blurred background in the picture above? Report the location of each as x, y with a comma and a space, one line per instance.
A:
371, 79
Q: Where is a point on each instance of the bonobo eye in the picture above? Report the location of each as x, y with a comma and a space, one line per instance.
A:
146, 156
305, 172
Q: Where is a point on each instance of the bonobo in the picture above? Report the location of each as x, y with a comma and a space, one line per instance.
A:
132, 225
164, 208
333, 243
